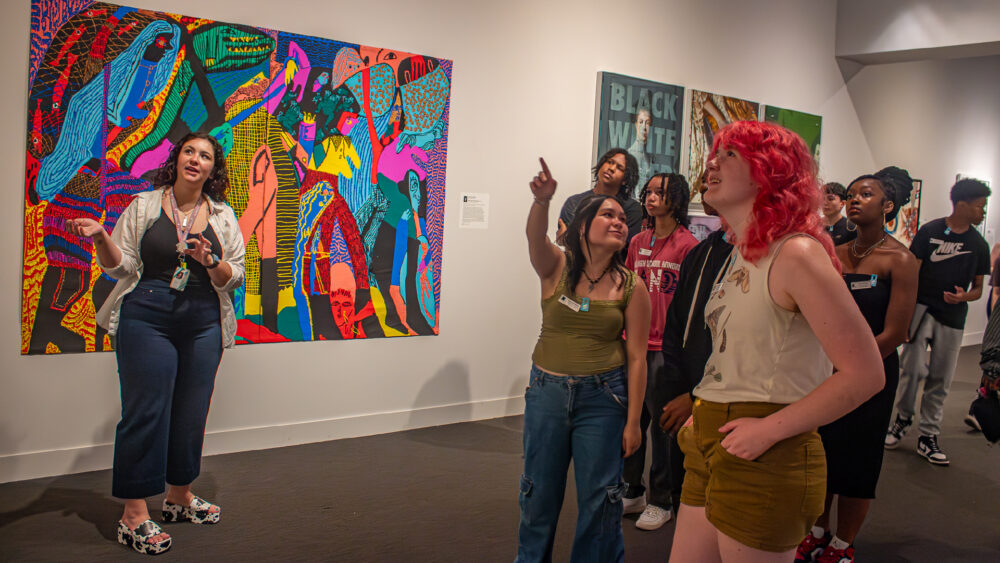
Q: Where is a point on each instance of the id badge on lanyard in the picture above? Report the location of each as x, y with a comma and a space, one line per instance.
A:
179, 280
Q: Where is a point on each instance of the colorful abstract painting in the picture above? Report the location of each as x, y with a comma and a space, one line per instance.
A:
336, 155
709, 113
905, 224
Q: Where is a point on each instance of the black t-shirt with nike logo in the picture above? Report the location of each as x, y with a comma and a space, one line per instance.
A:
948, 260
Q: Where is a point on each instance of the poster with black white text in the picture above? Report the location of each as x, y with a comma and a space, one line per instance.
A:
642, 117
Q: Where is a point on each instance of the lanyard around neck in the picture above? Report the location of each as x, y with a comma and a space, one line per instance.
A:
185, 229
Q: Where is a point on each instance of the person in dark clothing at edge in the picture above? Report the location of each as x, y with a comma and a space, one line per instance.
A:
687, 341
834, 197
615, 174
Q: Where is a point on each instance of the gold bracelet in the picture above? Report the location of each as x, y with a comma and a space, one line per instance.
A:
542, 201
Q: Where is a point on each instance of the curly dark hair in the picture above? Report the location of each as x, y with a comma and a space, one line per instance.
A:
581, 222
215, 185
837, 189
896, 184
676, 192
968, 189
631, 171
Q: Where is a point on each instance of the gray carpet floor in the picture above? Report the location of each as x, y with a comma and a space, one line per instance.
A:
449, 493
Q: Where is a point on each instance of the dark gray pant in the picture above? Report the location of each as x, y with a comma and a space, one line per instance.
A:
666, 470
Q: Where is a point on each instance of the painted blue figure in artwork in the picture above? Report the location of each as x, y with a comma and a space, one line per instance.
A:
132, 78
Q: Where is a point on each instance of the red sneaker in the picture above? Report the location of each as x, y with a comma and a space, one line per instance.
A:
811, 547
831, 555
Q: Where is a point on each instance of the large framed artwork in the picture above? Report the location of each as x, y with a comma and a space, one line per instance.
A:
904, 226
709, 113
336, 155
642, 117
806, 125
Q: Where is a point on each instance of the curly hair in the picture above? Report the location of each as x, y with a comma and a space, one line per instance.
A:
896, 184
581, 222
835, 188
631, 171
968, 189
677, 194
215, 185
789, 195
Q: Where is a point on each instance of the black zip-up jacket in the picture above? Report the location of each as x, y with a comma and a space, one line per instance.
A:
687, 341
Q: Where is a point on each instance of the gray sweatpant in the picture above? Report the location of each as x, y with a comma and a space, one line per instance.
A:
945, 343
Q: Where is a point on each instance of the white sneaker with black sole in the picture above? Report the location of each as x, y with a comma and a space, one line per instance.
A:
896, 432
653, 517
972, 421
927, 446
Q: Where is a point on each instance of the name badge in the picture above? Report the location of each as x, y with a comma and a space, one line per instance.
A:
645, 251
180, 278
570, 303
867, 284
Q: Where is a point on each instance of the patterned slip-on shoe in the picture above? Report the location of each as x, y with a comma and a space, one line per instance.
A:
197, 512
138, 539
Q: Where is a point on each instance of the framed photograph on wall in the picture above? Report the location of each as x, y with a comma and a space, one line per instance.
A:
709, 113
805, 125
642, 117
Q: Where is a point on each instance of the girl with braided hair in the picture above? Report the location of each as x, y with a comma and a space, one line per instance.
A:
881, 274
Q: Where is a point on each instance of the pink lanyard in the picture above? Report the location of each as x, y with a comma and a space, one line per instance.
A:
183, 230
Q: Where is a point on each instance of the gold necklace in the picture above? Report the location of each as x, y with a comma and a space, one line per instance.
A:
854, 247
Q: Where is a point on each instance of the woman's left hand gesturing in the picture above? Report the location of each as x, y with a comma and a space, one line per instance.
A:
200, 249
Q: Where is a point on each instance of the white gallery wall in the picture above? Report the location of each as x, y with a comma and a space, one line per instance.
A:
901, 29
523, 86
937, 118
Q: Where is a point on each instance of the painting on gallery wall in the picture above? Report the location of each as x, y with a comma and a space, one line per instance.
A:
904, 226
642, 117
709, 113
806, 125
336, 156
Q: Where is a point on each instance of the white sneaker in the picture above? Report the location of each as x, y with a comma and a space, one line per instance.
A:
634, 505
653, 517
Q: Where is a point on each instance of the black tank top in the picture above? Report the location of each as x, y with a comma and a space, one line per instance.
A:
872, 301
158, 252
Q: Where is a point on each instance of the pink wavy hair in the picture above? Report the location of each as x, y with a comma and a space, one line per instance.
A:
789, 197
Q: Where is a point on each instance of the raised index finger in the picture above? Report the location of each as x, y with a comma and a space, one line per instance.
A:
545, 168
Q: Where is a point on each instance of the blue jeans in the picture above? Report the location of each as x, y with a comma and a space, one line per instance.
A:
168, 345
580, 418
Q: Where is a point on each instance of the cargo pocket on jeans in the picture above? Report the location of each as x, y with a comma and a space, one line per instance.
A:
524, 498
613, 508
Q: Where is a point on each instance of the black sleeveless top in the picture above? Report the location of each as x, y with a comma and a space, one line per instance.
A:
158, 252
873, 301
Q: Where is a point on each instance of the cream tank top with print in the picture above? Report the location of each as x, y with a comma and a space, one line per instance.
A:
760, 351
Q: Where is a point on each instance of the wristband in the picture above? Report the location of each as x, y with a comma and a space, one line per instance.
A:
215, 262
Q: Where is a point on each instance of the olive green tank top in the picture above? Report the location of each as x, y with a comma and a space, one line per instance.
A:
575, 341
